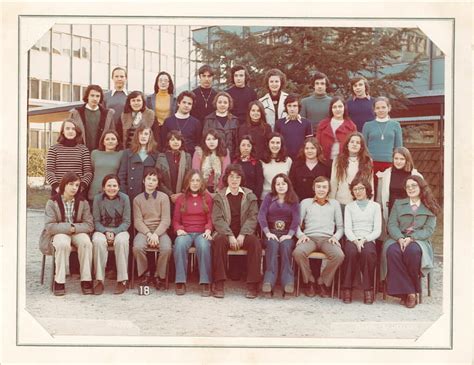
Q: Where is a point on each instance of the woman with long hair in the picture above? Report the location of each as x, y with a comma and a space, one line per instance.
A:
362, 226
333, 131
135, 114
212, 160
273, 101
407, 254
141, 154
310, 164
68, 155
112, 218
250, 164
192, 222
275, 160
105, 160
68, 220
174, 164
279, 217
257, 127
353, 161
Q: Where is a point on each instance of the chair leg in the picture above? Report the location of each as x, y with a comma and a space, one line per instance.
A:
43, 263
428, 283
53, 270
420, 294
132, 274
375, 283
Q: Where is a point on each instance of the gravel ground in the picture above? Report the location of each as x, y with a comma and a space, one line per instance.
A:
165, 314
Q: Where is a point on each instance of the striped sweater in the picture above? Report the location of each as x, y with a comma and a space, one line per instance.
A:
62, 159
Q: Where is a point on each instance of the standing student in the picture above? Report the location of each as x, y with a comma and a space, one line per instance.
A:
251, 166
192, 222
382, 135
212, 160
273, 101
134, 115
174, 164
105, 160
316, 106
279, 218
234, 216
223, 121
112, 218
360, 104
92, 118
68, 220
353, 161
184, 122
162, 102
275, 160
204, 94
151, 218
323, 228
68, 155
362, 226
115, 98
391, 181
293, 127
309, 164
240, 92
333, 131
257, 127
141, 154
408, 254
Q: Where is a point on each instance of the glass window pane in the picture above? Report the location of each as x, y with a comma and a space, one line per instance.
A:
139, 59
81, 29
76, 47
45, 90
100, 32
45, 42
76, 93
155, 62
95, 51
57, 43
114, 54
151, 39
135, 36
34, 89
104, 52
118, 34
56, 91
122, 55
66, 93
66, 44
85, 48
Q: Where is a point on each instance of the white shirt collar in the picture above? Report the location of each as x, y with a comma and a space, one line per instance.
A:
88, 107
181, 115
298, 118
386, 119
417, 203
228, 191
124, 91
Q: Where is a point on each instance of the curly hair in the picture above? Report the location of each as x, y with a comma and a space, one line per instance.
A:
249, 138
365, 161
275, 72
319, 150
134, 94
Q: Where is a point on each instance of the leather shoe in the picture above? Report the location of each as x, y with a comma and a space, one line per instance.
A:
218, 289
308, 290
252, 291
160, 284
323, 291
59, 289
410, 302
99, 288
120, 287
87, 288
180, 289
347, 296
368, 296
205, 290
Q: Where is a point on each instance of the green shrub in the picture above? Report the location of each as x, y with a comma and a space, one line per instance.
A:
36, 162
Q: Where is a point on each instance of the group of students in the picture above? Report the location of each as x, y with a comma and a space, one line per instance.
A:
227, 161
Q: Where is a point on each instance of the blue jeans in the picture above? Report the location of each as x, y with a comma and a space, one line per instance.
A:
203, 252
284, 249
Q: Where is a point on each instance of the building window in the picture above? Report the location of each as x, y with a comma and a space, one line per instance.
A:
81, 29
76, 47
62, 28
66, 44
81, 47
76, 93
118, 34
56, 91
100, 32
66, 92
34, 89
56, 43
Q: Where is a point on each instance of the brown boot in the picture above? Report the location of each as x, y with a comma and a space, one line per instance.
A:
410, 301
120, 287
323, 291
99, 288
308, 290
218, 289
252, 291
347, 296
368, 296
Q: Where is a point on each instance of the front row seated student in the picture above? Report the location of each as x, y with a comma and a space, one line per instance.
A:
192, 222
234, 216
151, 217
68, 220
362, 226
321, 218
111, 211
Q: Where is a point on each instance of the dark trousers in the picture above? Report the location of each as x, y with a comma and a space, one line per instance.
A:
403, 269
220, 246
356, 263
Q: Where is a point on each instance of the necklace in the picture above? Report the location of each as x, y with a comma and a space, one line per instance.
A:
382, 131
205, 99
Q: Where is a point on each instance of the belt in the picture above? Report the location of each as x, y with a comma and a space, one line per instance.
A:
279, 225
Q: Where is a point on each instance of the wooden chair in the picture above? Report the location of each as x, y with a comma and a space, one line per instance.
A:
156, 251
319, 256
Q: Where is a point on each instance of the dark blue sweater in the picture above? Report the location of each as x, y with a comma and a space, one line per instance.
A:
294, 133
360, 111
190, 128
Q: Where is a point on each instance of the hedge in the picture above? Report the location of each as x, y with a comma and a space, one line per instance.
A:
36, 162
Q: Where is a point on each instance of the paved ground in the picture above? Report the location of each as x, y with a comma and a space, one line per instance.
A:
165, 314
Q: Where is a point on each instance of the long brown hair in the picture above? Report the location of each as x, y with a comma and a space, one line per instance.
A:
221, 149
263, 119
405, 152
290, 195
187, 189
319, 150
135, 144
365, 162
62, 138
426, 195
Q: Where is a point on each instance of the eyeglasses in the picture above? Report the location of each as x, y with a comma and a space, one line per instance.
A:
359, 189
411, 186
